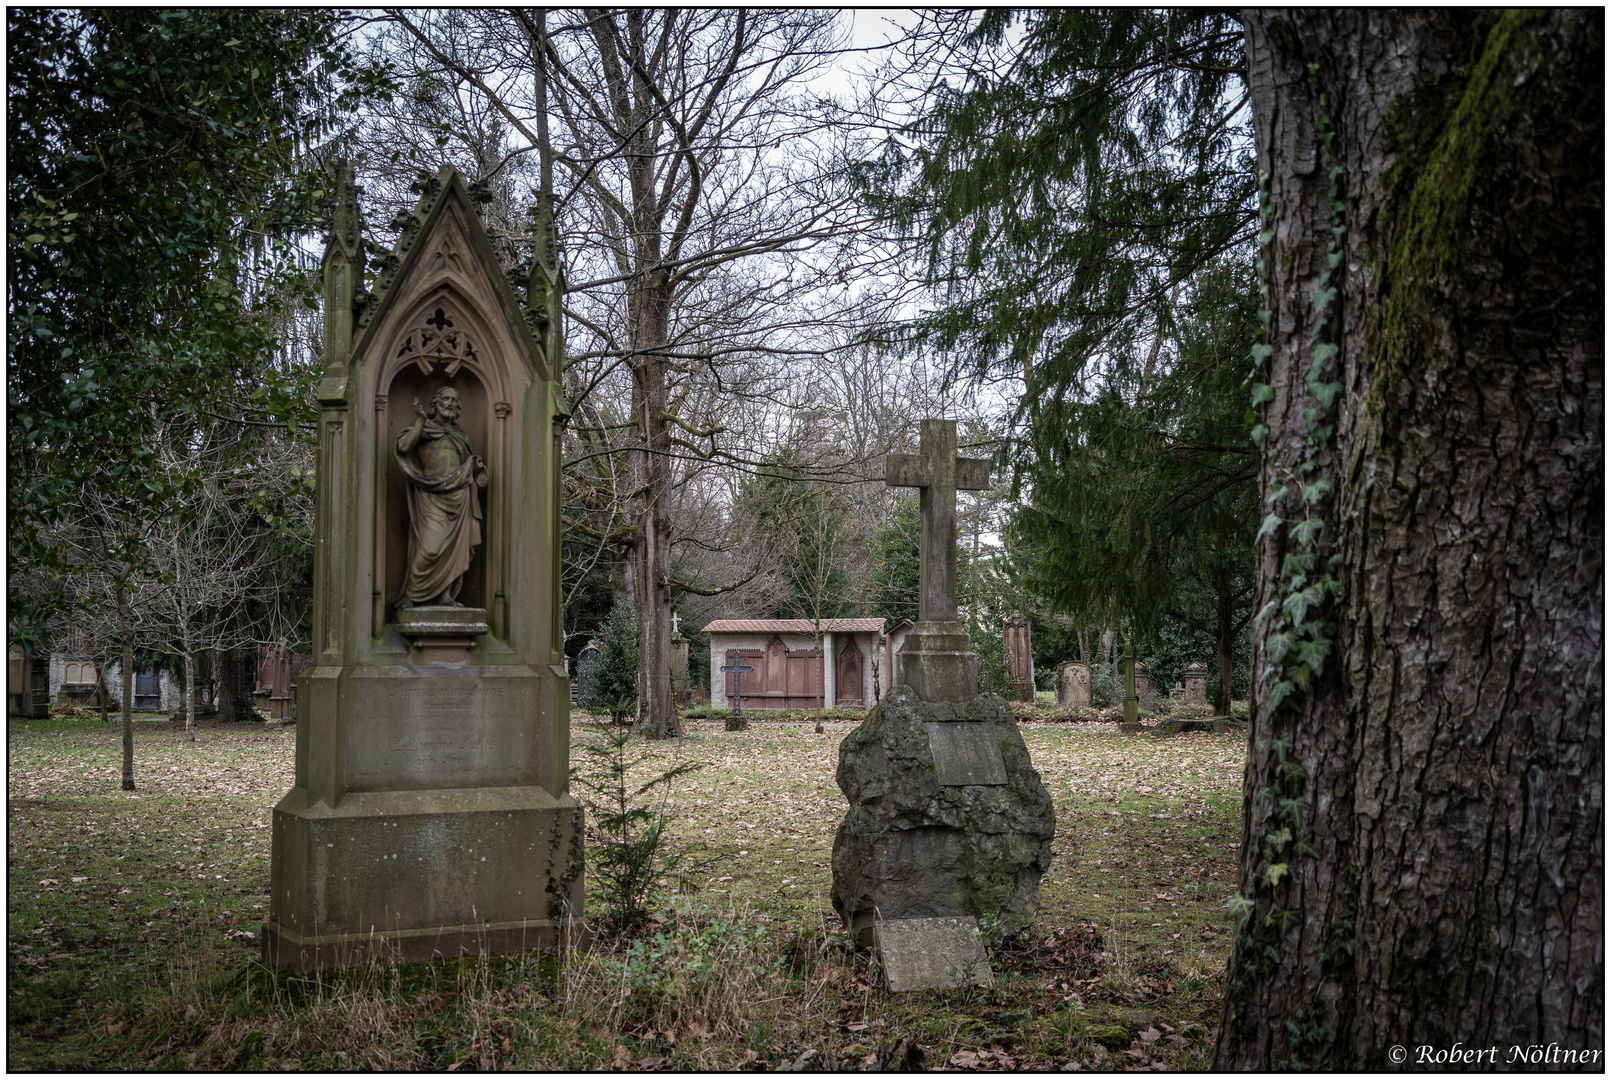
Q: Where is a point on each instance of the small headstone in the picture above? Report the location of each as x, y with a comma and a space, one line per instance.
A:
1177, 694
913, 845
1145, 698
966, 754
586, 678
1073, 685
1196, 677
933, 954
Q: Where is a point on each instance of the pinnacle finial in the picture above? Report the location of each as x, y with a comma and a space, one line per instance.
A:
345, 222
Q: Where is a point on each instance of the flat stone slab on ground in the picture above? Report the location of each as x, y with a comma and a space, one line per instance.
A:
966, 754
933, 954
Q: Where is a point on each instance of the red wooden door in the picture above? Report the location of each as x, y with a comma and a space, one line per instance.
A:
805, 679
782, 679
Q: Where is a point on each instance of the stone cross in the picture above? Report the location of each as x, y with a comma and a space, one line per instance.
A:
738, 671
937, 470
674, 630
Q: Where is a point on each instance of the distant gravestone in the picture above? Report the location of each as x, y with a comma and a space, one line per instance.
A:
1073, 685
1146, 697
933, 954
1196, 679
1020, 660
585, 691
679, 665
429, 815
948, 818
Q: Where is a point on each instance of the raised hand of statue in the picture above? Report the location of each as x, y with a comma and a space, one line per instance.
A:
418, 410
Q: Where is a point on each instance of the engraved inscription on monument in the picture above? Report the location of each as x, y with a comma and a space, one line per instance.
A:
966, 754
439, 733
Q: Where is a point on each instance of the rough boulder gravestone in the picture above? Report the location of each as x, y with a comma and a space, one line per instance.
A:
430, 815
948, 818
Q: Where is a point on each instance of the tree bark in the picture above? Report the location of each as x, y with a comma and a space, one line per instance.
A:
230, 692
190, 693
125, 622
1225, 637
100, 685
1440, 775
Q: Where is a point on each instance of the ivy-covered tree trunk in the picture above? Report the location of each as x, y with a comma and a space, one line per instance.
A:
1422, 856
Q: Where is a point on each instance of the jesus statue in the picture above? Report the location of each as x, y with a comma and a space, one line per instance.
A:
444, 508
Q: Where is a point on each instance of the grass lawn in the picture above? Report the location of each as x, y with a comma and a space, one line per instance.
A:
132, 922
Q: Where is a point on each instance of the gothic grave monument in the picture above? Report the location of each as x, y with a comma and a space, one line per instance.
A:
1020, 657
430, 815
948, 818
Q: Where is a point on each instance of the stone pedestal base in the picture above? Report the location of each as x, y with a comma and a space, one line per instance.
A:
938, 662
417, 874
441, 635
913, 846
288, 949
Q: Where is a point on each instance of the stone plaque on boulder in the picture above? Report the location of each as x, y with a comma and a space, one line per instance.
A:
933, 954
966, 754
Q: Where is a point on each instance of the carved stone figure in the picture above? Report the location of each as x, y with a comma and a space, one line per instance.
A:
444, 507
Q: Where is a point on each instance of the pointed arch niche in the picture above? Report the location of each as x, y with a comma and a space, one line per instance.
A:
444, 340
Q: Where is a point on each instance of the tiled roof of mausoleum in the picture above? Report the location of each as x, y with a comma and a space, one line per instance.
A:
794, 626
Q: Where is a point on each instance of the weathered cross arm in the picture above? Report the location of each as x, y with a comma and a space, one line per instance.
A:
910, 470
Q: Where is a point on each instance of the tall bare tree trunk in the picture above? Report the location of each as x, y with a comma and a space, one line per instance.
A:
190, 692
1224, 637
100, 685
654, 543
232, 694
125, 622
1423, 846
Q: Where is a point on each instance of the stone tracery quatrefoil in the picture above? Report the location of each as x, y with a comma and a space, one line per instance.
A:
438, 341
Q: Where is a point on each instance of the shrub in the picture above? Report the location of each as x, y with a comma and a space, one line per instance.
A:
633, 850
1106, 691
612, 675
698, 970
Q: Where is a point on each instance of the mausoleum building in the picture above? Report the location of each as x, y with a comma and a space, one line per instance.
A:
788, 669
